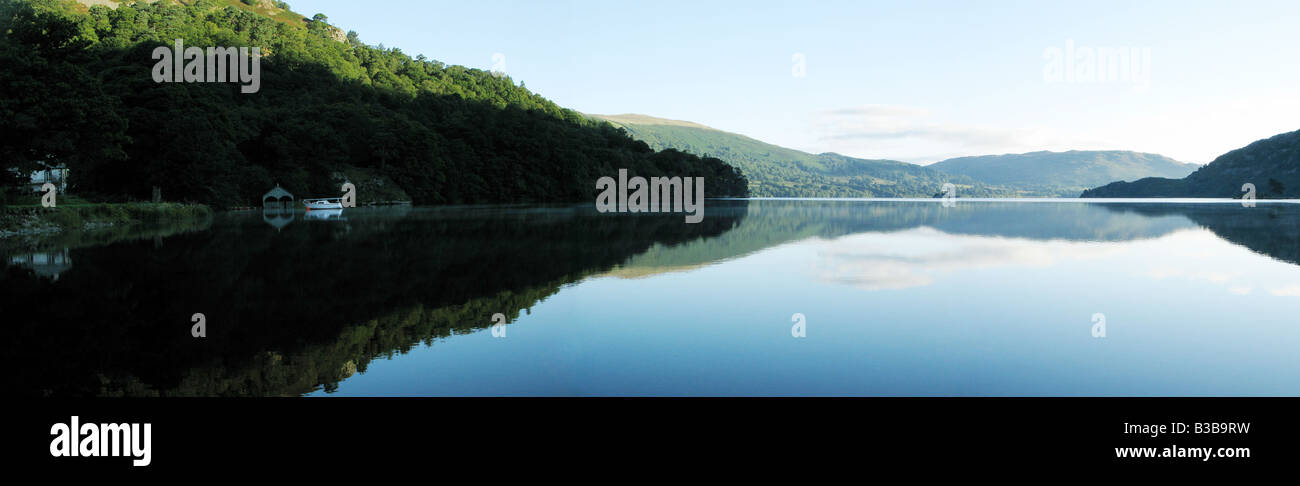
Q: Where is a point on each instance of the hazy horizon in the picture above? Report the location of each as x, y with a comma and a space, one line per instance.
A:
632, 117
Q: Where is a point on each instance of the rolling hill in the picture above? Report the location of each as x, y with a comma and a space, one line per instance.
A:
775, 171
1272, 165
1063, 174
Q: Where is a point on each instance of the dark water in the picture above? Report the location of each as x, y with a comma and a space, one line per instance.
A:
896, 298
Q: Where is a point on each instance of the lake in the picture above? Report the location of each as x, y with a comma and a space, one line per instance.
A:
764, 297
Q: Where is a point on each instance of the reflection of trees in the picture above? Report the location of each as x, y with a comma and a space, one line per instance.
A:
308, 306
292, 310
773, 222
1269, 229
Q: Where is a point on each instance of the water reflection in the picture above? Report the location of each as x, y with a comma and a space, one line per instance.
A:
325, 215
775, 222
288, 309
1270, 229
307, 306
278, 217
47, 264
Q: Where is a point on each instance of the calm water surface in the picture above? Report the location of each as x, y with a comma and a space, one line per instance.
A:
897, 298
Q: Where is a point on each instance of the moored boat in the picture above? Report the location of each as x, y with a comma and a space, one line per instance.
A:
323, 203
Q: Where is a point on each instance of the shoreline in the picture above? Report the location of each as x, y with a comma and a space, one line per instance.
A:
29, 221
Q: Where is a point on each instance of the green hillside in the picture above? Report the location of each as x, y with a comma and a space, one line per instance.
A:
775, 171
1272, 165
78, 90
1064, 174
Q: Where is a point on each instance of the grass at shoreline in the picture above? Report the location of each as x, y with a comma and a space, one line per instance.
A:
20, 220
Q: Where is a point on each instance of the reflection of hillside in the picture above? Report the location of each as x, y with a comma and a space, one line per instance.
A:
302, 369
769, 223
1268, 229
291, 310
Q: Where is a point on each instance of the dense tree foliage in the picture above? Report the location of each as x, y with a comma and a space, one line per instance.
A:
1272, 165
77, 89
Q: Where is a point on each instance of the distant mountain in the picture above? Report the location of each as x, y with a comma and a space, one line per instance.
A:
1272, 165
775, 171
1064, 173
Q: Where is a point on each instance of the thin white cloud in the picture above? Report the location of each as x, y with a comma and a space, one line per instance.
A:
880, 110
1217, 277
915, 134
1288, 291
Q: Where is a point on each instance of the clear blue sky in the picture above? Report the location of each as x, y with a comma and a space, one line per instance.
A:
914, 81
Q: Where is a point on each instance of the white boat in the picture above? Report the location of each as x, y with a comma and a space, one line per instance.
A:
323, 203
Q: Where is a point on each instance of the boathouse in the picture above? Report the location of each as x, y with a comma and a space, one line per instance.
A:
278, 198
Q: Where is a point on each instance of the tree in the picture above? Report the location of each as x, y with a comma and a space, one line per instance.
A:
1276, 187
54, 109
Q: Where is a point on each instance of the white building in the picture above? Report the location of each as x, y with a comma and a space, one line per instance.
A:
57, 175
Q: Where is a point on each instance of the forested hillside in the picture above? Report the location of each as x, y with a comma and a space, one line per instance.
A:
1271, 165
77, 89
